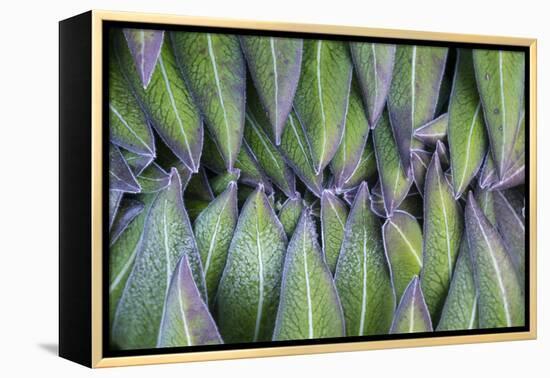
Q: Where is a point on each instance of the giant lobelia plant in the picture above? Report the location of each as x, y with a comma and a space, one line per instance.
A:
265, 188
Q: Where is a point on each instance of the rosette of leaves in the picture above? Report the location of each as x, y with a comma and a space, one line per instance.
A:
267, 188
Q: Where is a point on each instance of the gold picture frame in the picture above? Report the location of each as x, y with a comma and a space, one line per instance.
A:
94, 21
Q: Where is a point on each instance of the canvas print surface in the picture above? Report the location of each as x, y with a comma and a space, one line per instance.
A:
265, 189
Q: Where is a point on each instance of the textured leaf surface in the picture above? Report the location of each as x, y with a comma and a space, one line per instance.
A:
274, 65
168, 104
220, 182
460, 309
115, 197
213, 231
268, 156
374, 66
145, 47
153, 178
500, 298
467, 136
515, 175
136, 162
322, 97
167, 236
394, 181
414, 92
309, 307
511, 225
443, 226
186, 320
290, 212
294, 146
403, 245
412, 314
365, 169
122, 254
500, 80
356, 131
121, 177
248, 294
486, 202
433, 131
128, 125
215, 71
128, 210
251, 173
362, 275
420, 160
334, 214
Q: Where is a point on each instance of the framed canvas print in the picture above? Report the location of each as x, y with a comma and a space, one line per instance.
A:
235, 189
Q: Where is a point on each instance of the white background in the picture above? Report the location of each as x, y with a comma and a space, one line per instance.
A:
29, 186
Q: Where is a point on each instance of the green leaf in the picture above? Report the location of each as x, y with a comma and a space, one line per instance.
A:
186, 320
251, 173
443, 226
394, 180
294, 146
122, 254
374, 66
334, 214
515, 175
268, 156
414, 92
309, 307
121, 177
127, 211
153, 178
115, 196
220, 182
136, 162
215, 70
289, 215
213, 231
198, 187
248, 294
420, 160
511, 226
365, 169
467, 137
167, 236
412, 314
168, 103
486, 202
362, 275
356, 131
488, 174
274, 65
128, 125
500, 297
443, 154
433, 131
144, 45
403, 245
460, 309
500, 81
321, 99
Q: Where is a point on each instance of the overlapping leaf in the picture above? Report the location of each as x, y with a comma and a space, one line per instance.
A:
500, 80
414, 92
248, 293
274, 65
321, 99
334, 214
467, 136
374, 66
214, 69
167, 236
362, 276
412, 314
309, 307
